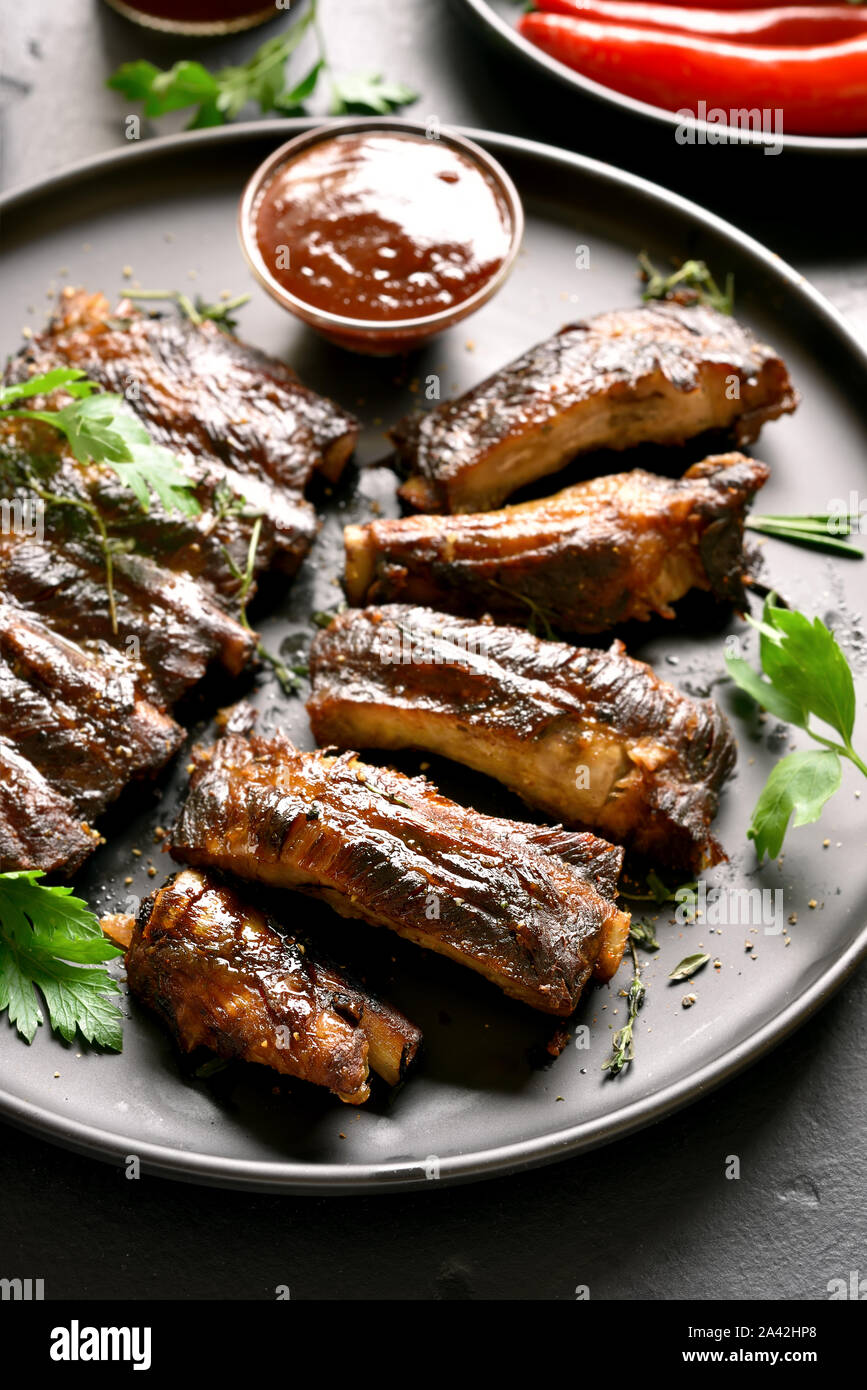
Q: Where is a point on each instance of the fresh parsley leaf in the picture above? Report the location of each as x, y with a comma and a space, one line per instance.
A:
804, 660
50, 942
806, 676
800, 783
791, 711
292, 101
221, 96
100, 428
689, 965
185, 84
369, 92
71, 379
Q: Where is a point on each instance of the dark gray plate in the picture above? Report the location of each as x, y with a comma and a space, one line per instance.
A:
498, 19
480, 1103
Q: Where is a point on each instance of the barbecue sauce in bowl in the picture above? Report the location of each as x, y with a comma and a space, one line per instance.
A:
379, 238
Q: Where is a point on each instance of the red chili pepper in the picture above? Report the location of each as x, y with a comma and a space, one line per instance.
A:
792, 24
855, 5
822, 90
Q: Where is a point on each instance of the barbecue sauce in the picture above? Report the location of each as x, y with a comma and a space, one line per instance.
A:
382, 227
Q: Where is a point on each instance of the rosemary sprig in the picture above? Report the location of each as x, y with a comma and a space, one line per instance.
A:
623, 1042
220, 313
812, 530
693, 277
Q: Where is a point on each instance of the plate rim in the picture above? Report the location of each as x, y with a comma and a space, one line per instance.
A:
301, 1177
497, 28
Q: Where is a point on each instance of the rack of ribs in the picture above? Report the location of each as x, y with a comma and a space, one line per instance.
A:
249, 437
621, 547
589, 737
223, 975
531, 908
662, 373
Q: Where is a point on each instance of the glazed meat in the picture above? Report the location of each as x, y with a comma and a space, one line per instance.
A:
79, 720
248, 435
199, 389
84, 690
531, 908
619, 547
661, 373
585, 736
40, 828
172, 623
222, 975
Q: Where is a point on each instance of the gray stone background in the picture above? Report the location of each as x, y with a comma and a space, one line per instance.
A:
653, 1216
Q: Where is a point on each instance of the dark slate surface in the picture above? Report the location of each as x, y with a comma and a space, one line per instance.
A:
653, 1216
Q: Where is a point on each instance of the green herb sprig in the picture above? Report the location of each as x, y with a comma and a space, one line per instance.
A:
623, 1042
820, 531
100, 428
289, 678
643, 933
50, 946
694, 278
218, 97
804, 676
198, 311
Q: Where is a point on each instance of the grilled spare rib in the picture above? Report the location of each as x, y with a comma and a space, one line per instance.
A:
222, 975
623, 546
661, 373
531, 908
586, 736
171, 621
200, 389
247, 433
77, 718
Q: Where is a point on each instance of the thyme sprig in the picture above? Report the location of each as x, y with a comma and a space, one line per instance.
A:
288, 677
623, 1042
692, 280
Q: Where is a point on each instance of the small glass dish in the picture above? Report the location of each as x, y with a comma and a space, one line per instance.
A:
377, 337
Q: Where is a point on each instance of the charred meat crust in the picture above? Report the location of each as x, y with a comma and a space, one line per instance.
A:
168, 618
620, 547
40, 828
660, 373
522, 905
83, 714
587, 736
248, 436
223, 975
200, 389
77, 719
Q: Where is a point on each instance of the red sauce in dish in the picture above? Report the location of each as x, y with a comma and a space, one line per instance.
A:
382, 227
